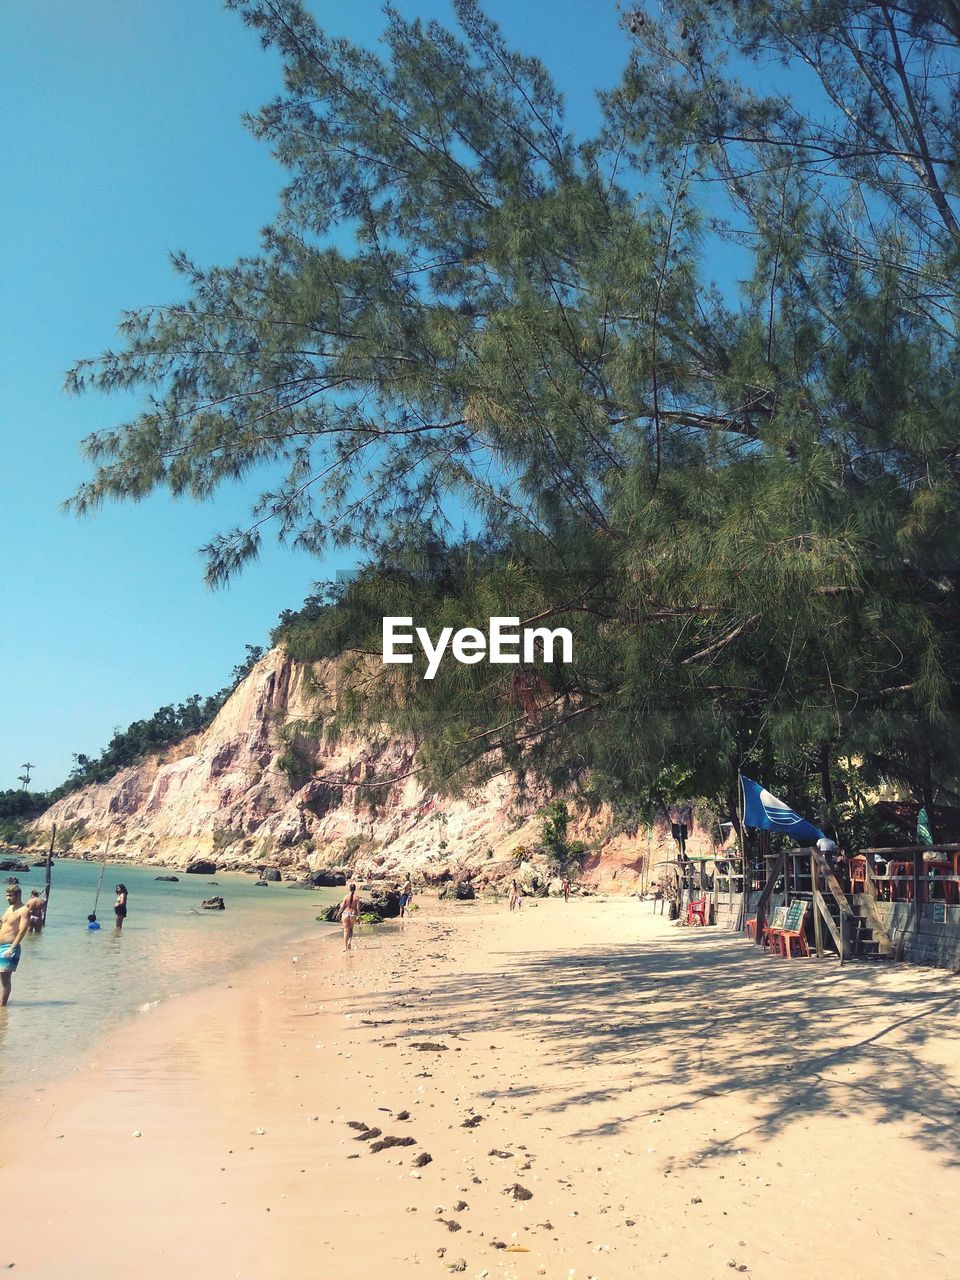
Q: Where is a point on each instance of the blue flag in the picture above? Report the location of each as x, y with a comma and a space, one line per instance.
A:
763, 810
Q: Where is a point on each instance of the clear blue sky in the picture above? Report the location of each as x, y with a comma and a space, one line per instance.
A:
121, 140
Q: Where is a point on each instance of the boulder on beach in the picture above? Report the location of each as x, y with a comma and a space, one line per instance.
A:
270, 874
432, 877
461, 890
383, 903
213, 904
327, 878
201, 867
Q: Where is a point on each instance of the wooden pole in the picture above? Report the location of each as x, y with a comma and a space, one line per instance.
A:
817, 922
46, 887
103, 866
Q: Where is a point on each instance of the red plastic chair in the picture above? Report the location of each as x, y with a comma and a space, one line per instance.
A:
939, 884
765, 938
858, 873
901, 889
697, 912
772, 928
786, 938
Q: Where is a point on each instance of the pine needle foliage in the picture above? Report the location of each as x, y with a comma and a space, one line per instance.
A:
741, 497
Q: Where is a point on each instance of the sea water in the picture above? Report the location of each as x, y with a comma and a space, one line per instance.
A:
74, 984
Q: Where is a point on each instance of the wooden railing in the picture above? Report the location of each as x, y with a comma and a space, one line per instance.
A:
839, 930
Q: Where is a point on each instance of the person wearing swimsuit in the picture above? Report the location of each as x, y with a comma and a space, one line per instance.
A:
120, 906
35, 911
349, 915
13, 929
406, 897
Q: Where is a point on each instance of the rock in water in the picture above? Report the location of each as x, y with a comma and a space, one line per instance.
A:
213, 904
201, 867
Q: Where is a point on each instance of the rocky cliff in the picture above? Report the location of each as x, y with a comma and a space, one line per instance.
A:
258, 787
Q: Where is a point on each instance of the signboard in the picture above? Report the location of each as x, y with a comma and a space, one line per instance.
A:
939, 912
795, 915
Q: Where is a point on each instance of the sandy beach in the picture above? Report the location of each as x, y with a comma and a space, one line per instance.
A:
600, 1094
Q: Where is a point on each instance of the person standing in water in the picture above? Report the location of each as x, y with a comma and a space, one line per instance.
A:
14, 924
120, 906
36, 908
349, 915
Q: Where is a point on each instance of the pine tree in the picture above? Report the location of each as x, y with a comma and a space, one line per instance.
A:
740, 497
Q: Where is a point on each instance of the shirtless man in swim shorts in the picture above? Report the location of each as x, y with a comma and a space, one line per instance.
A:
13, 928
349, 915
35, 911
406, 897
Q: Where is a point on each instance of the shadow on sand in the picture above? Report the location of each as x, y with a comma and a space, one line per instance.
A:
700, 1015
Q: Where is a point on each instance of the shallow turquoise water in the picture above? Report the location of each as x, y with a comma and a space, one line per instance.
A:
73, 985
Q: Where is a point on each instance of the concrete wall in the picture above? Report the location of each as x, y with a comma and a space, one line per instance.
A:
936, 943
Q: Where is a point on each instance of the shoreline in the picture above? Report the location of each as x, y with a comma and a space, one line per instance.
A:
670, 1100
31, 1064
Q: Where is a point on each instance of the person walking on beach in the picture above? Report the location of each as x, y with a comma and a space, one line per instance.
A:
406, 896
349, 915
13, 928
36, 908
516, 896
120, 906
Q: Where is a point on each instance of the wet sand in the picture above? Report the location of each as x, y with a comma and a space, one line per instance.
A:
600, 1094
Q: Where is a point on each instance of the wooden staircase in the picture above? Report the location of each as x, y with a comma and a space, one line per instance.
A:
849, 925
853, 923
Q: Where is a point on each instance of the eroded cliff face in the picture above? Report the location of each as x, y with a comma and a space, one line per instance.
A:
257, 788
